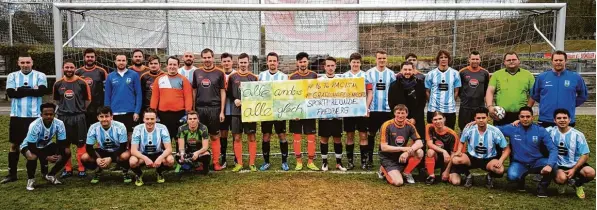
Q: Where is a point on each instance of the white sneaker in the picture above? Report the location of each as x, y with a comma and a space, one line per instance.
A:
340, 167
379, 174
409, 178
324, 167
223, 166
53, 179
30, 184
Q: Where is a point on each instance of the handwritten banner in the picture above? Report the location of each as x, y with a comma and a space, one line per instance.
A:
303, 99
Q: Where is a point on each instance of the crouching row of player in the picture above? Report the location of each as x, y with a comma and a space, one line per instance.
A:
557, 153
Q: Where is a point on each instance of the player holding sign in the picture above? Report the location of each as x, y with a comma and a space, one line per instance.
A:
273, 74
330, 127
352, 124
238, 127
303, 126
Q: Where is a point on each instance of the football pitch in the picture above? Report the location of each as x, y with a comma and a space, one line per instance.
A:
275, 189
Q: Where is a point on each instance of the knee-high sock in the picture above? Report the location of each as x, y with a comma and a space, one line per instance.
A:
59, 165
311, 147
238, 151
161, 169
125, 166
296, 144
223, 148
581, 180
139, 172
338, 151
43, 164
350, 153
364, 153
430, 165
371, 147
13, 161
68, 165
205, 161
412, 164
252, 152
324, 152
265, 148
31, 167
80, 151
284, 149
215, 145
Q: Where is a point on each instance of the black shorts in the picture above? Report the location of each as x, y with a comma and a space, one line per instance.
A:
104, 154
76, 128
242, 127
392, 164
210, 117
153, 157
303, 126
127, 120
480, 163
329, 128
376, 119
280, 127
18, 128
227, 124
577, 172
171, 120
450, 119
49, 150
465, 116
352, 124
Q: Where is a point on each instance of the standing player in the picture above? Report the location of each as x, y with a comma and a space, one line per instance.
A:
442, 142
558, 88
138, 59
193, 144
396, 156
573, 154
123, 94
210, 98
95, 77
188, 69
442, 85
111, 138
273, 74
352, 124
330, 126
38, 145
303, 126
511, 86
151, 147
147, 80
238, 127
25, 88
378, 80
474, 86
172, 96
73, 95
226, 59
482, 140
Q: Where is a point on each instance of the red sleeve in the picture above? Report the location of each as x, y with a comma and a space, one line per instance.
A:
155, 94
187, 92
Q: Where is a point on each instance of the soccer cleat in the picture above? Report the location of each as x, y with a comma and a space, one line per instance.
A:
489, 183
82, 174
562, 189
264, 167
469, 181
324, 167
430, 180
580, 192
160, 178
312, 167
409, 178
285, 167
237, 168
223, 166
66, 174
127, 178
95, 179
139, 181
30, 184
299, 166
217, 167
8, 179
253, 168
520, 186
350, 166
537, 177
52, 179
542, 191
364, 167
177, 168
340, 167
380, 174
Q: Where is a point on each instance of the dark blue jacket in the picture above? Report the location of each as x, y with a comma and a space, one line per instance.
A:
123, 93
567, 90
526, 143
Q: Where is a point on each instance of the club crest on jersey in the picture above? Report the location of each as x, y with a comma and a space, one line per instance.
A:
439, 143
69, 94
566, 83
88, 80
205, 83
535, 139
128, 80
473, 83
399, 140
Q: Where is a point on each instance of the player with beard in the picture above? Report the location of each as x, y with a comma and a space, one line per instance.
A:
148, 78
303, 126
330, 126
95, 77
474, 86
352, 124
210, 97
188, 69
73, 95
138, 60
226, 59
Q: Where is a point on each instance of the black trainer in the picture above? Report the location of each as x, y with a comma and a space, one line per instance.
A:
489, 183
430, 180
8, 179
542, 191
469, 181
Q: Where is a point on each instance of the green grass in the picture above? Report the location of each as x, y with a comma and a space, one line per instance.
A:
279, 190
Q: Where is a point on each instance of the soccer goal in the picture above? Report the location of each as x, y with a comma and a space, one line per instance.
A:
337, 28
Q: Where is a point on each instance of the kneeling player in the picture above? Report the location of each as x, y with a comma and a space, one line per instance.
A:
111, 137
482, 140
395, 153
38, 144
573, 153
441, 142
151, 147
193, 145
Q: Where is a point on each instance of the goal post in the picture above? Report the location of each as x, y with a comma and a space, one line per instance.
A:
60, 8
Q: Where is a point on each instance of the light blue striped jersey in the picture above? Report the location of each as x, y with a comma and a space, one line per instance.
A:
187, 73
41, 135
571, 145
380, 83
441, 87
267, 76
27, 106
349, 74
150, 142
108, 140
228, 106
483, 146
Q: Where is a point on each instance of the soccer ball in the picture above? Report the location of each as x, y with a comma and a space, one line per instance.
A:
499, 112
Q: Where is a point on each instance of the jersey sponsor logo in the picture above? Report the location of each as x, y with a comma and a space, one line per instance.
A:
443, 86
69, 94
399, 140
473, 83
566, 83
380, 85
562, 150
439, 143
88, 80
480, 149
205, 83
